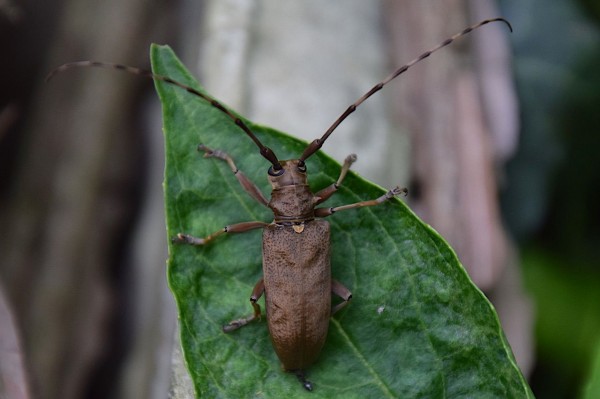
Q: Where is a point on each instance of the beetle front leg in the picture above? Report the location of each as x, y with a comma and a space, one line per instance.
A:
323, 212
327, 192
257, 292
181, 238
246, 183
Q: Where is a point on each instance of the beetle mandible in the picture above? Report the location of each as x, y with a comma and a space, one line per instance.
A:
297, 282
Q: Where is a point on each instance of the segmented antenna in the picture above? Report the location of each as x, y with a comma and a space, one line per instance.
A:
318, 143
264, 150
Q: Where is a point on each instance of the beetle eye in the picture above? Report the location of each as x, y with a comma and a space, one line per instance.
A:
276, 172
301, 167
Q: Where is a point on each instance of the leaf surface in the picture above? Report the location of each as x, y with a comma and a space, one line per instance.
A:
417, 327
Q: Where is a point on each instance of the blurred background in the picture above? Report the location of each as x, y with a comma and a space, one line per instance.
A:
495, 136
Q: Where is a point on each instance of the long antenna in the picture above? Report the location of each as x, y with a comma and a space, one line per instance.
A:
264, 150
318, 143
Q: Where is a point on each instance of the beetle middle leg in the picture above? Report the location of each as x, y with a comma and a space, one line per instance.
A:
181, 238
323, 212
257, 292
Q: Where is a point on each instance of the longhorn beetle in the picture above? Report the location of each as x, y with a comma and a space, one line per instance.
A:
297, 282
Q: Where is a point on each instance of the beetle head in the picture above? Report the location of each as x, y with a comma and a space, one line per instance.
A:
291, 173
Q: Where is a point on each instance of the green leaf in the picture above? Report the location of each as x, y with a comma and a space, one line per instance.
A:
416, 327
592, 387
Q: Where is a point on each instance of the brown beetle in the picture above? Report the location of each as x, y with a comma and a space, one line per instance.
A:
297, 281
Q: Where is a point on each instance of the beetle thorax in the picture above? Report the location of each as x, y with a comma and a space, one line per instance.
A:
291, 198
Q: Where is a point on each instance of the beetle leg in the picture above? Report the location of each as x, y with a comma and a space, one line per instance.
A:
300, 374
323, 212
340, 290
246, 183
257, 292
327, 192
181, 238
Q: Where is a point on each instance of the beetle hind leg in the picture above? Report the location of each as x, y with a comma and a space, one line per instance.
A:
300, 374
257, 292
340, 290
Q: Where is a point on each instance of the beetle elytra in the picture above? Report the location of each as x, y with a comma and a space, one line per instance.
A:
297, 282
